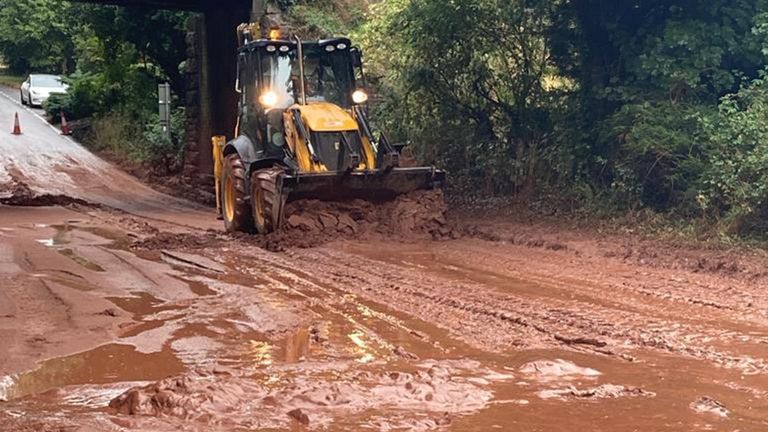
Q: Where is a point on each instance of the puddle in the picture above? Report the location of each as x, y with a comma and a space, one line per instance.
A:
260, 353
198, 287
106, 364
137, 329
118, 240
80, 286
142, 304
85, 235
60, 238
90, 265
296, 346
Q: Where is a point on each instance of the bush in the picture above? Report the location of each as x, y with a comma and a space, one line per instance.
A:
164, 154
140, 141
735, 183
659, 162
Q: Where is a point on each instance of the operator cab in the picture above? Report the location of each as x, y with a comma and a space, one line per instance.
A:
270, 82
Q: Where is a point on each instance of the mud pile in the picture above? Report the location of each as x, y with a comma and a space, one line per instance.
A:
605, 391
438, 392
414, 216
19, 194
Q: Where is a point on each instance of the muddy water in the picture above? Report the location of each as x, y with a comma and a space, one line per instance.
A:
362, 337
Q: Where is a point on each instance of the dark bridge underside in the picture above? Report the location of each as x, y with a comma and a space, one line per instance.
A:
192, 5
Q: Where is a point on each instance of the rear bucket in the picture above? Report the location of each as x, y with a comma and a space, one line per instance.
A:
368, 185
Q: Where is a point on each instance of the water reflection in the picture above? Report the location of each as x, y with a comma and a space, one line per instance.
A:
362, 348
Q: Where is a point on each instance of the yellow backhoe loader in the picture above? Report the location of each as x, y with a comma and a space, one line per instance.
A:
303, 133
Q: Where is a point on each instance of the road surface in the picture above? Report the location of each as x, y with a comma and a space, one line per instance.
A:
122, 311
47, 163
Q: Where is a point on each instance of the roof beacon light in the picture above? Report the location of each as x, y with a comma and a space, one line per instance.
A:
274, 33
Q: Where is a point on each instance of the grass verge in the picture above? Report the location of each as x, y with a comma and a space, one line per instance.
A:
10, 80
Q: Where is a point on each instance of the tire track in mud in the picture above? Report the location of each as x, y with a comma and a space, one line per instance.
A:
486, 318
695, 289
281, 276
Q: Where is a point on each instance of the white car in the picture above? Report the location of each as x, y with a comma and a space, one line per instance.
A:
38, 87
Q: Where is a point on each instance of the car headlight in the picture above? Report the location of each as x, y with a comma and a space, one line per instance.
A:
268, 99
359, 97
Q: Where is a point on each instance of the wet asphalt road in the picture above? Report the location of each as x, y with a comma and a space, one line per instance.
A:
47, 163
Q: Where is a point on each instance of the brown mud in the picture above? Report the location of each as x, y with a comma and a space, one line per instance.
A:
420, 215
19, 194
363, 321
414, 216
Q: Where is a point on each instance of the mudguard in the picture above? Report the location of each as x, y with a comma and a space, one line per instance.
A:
252, 155
249, 152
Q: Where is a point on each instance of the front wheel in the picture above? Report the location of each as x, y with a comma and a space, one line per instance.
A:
267, 201
234, 198
21, 95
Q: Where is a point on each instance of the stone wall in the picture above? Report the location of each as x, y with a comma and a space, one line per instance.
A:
211, 100
194, 74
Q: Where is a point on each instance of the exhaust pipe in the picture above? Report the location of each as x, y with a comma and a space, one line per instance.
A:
302, 87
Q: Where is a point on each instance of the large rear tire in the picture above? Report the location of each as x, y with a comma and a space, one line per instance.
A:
266, 200
234, 197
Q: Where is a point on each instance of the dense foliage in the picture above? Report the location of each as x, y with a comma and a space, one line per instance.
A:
621, 105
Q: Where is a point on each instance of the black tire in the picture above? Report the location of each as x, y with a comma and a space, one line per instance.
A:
21, 95
234, 197
266, 201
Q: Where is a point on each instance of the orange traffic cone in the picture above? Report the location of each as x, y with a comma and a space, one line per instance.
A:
64, 126
16, 125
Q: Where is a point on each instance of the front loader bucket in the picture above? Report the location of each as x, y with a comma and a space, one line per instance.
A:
377, 185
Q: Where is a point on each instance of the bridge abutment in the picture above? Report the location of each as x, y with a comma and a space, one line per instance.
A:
211, 99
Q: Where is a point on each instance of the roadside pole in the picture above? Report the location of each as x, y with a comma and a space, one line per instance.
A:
164, 103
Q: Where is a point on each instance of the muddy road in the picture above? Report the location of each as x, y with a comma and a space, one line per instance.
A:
122, 309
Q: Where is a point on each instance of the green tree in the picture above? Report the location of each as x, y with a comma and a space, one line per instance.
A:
156, 37
466, 83
35, 35
644, 70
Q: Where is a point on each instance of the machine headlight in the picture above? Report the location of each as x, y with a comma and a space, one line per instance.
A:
359, 97
271, 48
268, 99
330, 48
341, 46
284, 48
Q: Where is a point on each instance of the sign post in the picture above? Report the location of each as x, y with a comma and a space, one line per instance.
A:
164, 102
